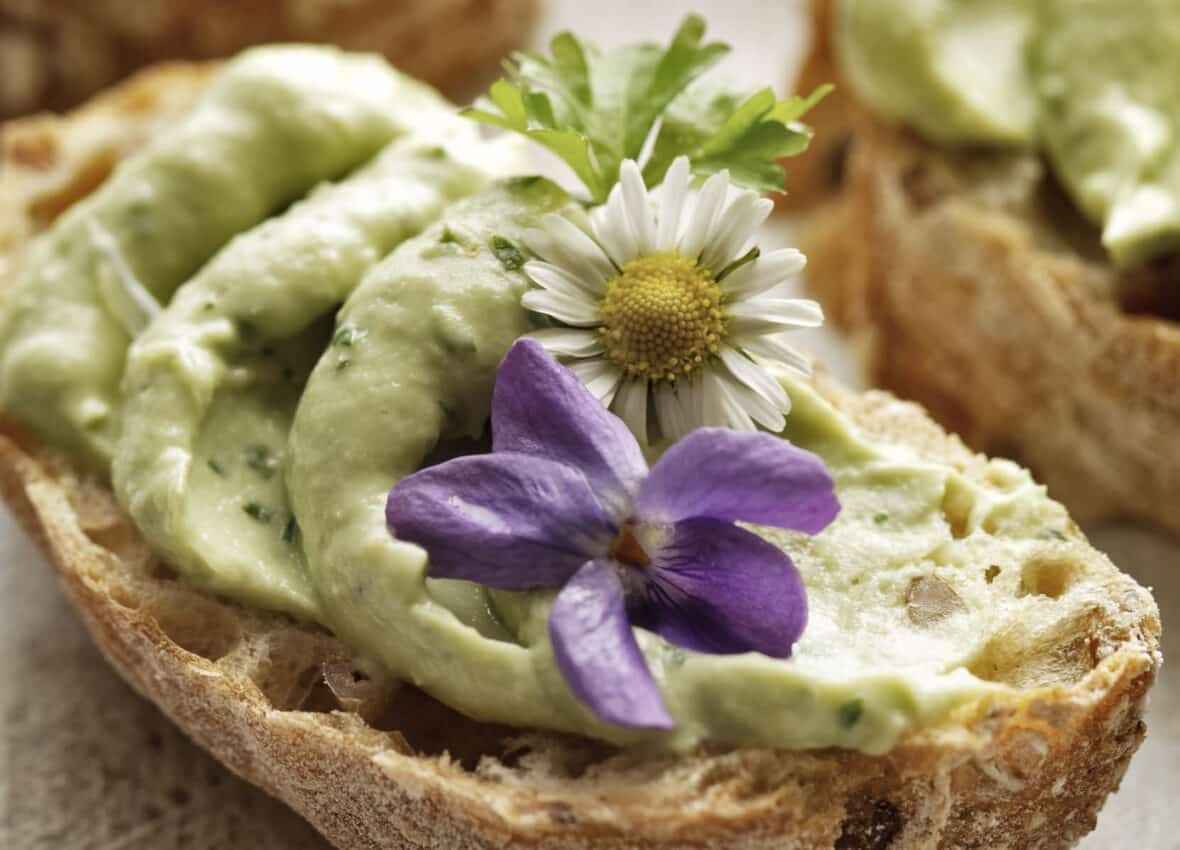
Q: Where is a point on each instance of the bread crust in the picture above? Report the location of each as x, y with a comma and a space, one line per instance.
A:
814, 175
1015, 343
55, 53
1026, 769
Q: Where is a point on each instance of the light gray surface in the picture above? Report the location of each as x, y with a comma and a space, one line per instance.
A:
86, 765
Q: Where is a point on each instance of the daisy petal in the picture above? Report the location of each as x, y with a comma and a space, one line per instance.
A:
736, 226
613, 230
597, 654
757, 379
720, 407
600, 377
577, 311
555, 279
708, 474
505, 520
691, 394
565, 244
631, 406
720, 589
568, 342
767, 271
704, 213
673, 192
765, 315
670, 415
757, 407
540, 408
638, 210
773, 348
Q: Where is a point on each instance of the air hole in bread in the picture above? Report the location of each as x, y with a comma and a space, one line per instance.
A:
869, 824
924, 186
552, 755
124, 543
957, 503
95, 508
161, 570
1051, 577
1031, 654
432, 729
287, 665
128, 596
930, 600
1151, 289
991, 573
197, 624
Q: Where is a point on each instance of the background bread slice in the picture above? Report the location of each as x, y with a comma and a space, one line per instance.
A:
55, 53
970, 285
373, 767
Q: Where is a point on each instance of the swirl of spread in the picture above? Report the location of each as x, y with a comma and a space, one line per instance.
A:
272, 124
210, 387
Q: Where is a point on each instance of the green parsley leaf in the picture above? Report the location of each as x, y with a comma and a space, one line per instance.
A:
291, 533
849, 713
258, 512
718, 130
347, 336
595, 109
259, 459
508, 254
592, 108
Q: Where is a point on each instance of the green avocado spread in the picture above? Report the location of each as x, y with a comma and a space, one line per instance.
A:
1094, 83
323, 342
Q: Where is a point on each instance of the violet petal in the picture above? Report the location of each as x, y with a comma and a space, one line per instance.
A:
508, 520
714, 587
739, 476
597, 653
540, 408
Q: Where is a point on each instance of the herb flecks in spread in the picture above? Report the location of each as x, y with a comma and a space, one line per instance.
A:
93, 279
566, 500
667, 307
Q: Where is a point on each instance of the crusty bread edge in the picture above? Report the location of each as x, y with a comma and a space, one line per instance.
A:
958, 307
1029, 769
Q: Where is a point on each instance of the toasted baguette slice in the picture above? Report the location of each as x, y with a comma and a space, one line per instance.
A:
55, 53
971, 285
383, 767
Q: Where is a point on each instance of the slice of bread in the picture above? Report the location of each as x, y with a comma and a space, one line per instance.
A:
971, 285
55, 53
382, 767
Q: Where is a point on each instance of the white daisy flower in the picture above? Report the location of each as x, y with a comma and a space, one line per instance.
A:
659, 309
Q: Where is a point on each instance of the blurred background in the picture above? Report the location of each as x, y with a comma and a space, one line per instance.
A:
84, 763
55, 53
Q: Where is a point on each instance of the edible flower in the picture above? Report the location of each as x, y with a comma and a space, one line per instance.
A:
567, 501
665, 306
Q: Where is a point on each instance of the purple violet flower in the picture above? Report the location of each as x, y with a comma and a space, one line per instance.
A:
566, 501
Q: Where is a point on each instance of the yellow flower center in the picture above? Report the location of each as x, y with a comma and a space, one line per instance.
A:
661, 318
